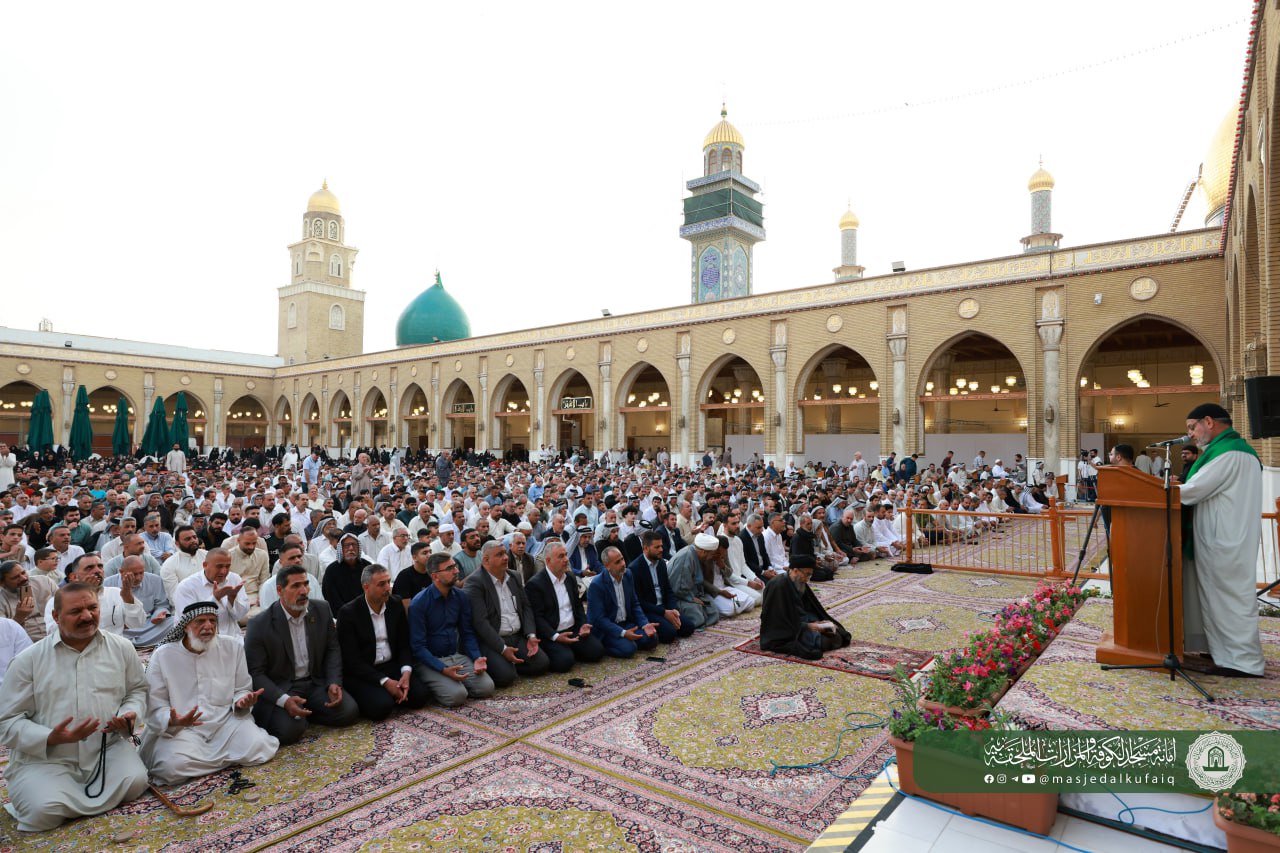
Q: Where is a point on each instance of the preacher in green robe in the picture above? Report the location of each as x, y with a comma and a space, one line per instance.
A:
792, 619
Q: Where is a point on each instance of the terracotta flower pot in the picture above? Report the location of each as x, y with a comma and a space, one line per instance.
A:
1240, 838
1032, 812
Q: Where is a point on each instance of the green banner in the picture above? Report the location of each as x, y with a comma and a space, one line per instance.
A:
1191, 762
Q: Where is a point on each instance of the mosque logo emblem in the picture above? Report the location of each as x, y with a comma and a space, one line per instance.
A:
1215, 761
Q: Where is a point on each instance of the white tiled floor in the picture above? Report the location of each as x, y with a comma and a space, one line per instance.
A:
918, 828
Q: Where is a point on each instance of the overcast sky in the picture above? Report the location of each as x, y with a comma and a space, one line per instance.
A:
156, 159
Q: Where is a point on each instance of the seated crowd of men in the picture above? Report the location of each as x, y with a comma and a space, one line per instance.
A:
324, 592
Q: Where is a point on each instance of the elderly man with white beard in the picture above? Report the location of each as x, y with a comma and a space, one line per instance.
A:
200, 702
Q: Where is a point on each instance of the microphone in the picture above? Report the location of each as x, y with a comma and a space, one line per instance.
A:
1173, 442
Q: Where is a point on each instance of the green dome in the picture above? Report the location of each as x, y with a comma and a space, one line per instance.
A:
432, 317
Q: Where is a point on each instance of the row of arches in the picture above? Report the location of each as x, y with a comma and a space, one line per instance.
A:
972, 384
245, 421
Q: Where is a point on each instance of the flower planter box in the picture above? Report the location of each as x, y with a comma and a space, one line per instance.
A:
1032, 812
1241, 838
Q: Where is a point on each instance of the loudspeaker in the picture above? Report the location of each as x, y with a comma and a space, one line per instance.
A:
1262, 396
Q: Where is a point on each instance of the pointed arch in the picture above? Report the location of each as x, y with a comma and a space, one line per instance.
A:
283, 418
309, 433
643, 409
374, 420
415, 417
198, 415
1135, 380
247, 423
458, 412
730, 406
511, 407
573, 427
103, 403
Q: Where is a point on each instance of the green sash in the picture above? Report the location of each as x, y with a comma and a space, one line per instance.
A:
1225, 442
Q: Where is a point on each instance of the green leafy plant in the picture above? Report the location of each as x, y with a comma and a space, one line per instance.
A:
974, 675
1260, 811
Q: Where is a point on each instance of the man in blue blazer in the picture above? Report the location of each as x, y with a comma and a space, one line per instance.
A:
615, 612
656, 599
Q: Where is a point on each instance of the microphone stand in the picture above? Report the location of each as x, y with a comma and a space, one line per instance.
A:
1171, 661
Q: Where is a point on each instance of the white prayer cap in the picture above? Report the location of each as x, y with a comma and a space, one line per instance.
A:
447, 528
706, 542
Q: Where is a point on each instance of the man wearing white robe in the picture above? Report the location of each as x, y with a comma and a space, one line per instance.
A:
886, 536
1220, 609
217, 583
199, 703
396, 557
117, 608
59, 696
741, 577
185, 562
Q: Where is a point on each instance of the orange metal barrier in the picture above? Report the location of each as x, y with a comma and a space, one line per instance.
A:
1044, 545
1269, 552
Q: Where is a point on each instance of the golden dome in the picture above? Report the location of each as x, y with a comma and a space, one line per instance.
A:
323, 201
849, 220
1041, 180
1215, 172
723, 133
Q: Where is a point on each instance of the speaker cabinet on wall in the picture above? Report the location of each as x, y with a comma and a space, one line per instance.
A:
1262, 396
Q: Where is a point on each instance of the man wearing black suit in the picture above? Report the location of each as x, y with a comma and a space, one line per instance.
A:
292, 652
373, 633
649, 576
753, 550
672, 541
558, 614
632, 546
503, 620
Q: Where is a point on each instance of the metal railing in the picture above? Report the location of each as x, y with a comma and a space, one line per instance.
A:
1048, 544
1045, 544
1269, 552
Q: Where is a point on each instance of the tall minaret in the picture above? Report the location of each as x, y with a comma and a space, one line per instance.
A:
848, 269
722, 218
321, 314
1041, 238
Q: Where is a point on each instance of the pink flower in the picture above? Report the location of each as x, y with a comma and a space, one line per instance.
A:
968, 685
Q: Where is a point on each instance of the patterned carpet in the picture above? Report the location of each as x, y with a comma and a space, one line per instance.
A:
1066, 689
653, 756
521, 799
858, 658
712, 734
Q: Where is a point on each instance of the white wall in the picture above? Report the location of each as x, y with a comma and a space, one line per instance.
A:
1001, 446
742, 446
823, 448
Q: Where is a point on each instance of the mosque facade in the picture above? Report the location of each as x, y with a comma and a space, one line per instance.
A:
1045, 351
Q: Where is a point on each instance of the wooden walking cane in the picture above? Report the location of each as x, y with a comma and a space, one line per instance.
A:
177, 809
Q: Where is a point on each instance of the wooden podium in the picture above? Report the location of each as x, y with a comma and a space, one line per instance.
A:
1140, 585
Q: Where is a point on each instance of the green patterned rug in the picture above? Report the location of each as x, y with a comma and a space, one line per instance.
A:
713, 733
1065, 689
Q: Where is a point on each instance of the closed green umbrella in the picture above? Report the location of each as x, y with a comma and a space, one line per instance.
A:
81, 429
180, 434
155, 441
121, 443
40, 432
